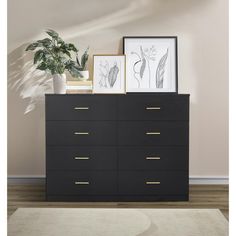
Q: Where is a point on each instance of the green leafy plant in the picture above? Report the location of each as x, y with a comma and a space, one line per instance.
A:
82, 63
54, 55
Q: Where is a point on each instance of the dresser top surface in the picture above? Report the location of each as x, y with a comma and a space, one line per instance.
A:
129, 94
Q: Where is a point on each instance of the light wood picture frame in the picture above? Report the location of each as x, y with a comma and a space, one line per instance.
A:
109, 73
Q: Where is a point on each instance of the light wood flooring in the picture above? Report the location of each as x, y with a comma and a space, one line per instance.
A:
201, 196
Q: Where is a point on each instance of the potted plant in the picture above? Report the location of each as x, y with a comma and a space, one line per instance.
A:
54, 55
82, 65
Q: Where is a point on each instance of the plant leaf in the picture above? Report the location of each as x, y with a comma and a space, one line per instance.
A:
45, 42
160, 71
72, 68
77, 59
52, 33
38, 56
74, 71
71, 47
60, 40
32, 46
60, 68
84, 59
67, 53
42, 66
51, 66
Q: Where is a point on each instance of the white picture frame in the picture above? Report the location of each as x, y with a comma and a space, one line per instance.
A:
108, 74
151, 64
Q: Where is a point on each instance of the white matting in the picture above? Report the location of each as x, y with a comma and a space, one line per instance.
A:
117, 222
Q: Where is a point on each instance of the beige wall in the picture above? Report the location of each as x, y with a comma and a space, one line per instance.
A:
202, 30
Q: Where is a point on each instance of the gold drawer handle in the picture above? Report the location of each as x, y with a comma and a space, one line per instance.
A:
81, 133
153, 108
81, 108
81, 182
153, 158
153, 133
82, 158
153, 182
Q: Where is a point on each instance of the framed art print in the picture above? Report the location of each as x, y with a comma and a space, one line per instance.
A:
151, 64
109, 74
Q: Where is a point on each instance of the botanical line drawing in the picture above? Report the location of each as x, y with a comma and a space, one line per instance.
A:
112, 76
108, 75
160, 71
143, 62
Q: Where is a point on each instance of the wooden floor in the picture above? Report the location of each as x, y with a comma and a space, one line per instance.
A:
201, 196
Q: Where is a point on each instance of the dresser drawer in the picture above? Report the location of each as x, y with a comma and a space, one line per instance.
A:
153, 133
81, 182
81, 107
81, 158
81, 132
152, 107
153, 182
153, 158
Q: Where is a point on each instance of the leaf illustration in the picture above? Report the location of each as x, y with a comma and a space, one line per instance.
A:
160, 71
136, 73
143, 66
112, 76
104, 71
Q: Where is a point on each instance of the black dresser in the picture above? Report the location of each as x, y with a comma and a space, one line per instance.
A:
132, 147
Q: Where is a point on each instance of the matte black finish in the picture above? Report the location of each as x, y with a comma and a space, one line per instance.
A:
153, 158
109, 147
117, 198
136, 182
138, 107
81, 133
144, 132
81, 158
85, 107
99, 182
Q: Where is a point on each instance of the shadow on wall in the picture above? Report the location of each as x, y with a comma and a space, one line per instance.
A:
25, 80
26, 89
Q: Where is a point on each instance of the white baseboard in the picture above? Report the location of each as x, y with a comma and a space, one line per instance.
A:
40, 179
209, 180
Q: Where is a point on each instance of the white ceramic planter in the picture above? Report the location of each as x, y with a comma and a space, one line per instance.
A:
84, 75
59, 83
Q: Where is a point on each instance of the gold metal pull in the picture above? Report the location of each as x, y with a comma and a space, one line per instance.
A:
153, 133
81, 108
153, 182
81, 133
81, 182
82, 158
153, 108
153, 158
